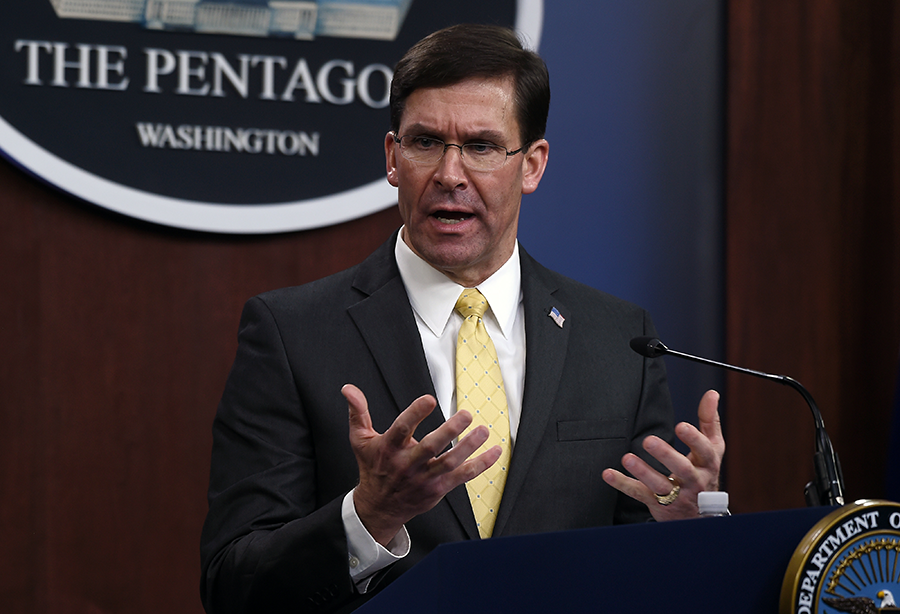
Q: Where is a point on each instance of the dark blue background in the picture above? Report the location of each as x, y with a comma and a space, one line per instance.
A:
632, 201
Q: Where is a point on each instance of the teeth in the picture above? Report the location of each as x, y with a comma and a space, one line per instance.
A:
458, 217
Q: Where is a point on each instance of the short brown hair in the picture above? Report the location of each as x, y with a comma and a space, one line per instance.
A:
464, 51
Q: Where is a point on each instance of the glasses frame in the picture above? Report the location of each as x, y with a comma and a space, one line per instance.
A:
399, 139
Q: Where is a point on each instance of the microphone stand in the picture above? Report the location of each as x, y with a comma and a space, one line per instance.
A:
828, 486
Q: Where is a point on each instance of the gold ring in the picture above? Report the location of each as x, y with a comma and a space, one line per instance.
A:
673, 494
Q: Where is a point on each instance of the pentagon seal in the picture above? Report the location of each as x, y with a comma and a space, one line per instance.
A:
848, 562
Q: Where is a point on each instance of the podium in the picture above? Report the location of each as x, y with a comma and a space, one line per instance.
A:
732, 564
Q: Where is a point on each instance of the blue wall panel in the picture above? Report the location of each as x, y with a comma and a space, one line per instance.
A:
632, 201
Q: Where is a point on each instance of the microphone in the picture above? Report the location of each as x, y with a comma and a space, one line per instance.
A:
828, 486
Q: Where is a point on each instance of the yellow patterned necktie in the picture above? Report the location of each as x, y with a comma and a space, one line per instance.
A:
480, 391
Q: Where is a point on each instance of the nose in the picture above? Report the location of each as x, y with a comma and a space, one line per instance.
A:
451, 171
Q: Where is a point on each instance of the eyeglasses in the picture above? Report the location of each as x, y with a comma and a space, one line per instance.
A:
476, 156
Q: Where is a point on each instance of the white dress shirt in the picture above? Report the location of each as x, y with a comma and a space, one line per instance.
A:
433, 298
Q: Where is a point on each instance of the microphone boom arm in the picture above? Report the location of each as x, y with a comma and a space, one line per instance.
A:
828, 487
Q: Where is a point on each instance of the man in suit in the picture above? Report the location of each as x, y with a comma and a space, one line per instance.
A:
312, 509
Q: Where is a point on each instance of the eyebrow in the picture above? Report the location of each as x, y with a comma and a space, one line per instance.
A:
492, 136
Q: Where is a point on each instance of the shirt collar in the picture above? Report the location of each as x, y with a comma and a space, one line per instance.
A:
433, 295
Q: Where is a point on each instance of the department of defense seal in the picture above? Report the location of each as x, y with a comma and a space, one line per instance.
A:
848, 562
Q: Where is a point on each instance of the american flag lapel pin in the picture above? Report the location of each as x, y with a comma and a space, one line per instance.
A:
557, 317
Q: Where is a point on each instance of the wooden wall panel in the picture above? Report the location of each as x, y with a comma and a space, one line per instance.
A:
117, 337
813, 239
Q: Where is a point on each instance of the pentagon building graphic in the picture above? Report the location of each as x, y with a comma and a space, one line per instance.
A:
302, 19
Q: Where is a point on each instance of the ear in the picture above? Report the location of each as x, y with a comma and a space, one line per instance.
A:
390, 159
534, 163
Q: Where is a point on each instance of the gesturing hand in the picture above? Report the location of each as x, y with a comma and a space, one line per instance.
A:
696, 472
399, 477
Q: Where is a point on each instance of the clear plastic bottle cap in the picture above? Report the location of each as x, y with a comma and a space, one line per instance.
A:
712, 503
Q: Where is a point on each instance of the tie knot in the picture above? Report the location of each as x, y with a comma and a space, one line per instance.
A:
471, 302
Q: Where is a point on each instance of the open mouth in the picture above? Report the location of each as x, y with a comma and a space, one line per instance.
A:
451, 217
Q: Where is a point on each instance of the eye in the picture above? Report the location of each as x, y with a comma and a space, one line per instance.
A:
481, 149
424, 143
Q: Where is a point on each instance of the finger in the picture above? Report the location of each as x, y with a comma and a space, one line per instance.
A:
703, 454
654, 481
683, 507
473, 467
358, 406
707, 444
468, 445
437, 441
629, 486
672, 459
401, 431
708, 417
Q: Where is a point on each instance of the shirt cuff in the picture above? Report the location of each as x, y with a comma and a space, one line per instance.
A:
366, 556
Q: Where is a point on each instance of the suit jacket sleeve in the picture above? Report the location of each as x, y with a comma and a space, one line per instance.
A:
267, 540
654, 416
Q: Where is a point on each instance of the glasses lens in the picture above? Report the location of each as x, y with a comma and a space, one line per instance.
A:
421, 149
477, 156
483, 157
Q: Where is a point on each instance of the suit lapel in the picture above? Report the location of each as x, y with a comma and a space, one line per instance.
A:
387, 324
546, 344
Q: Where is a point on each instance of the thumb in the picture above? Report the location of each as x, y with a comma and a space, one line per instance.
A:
358, 409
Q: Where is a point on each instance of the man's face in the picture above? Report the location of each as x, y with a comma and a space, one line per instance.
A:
463, 222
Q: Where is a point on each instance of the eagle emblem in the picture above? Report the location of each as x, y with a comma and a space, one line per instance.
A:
863, 605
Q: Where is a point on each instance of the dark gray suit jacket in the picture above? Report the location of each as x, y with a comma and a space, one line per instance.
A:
273, 540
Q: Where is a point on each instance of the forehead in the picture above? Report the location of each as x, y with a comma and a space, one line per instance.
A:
467, 108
